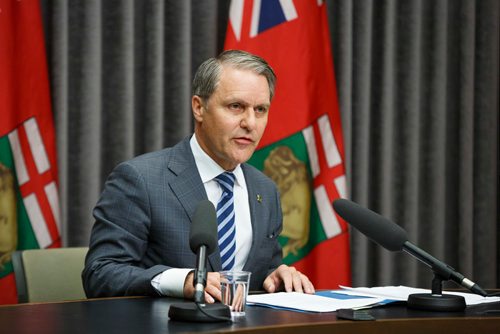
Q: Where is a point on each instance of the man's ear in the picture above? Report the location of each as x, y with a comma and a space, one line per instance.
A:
198, 108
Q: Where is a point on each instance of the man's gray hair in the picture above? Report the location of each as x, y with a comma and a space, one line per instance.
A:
208, 74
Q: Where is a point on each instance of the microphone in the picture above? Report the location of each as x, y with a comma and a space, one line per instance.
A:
374, 226
394, 238
203, 242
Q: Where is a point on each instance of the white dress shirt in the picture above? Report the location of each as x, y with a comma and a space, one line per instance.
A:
171, 282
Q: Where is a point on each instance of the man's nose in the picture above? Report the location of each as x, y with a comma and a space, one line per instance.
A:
248, 120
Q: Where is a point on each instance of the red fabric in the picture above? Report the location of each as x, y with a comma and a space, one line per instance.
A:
8, 292
299, 52
24, 95
328, 262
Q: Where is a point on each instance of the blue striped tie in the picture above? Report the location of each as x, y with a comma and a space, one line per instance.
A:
225, 219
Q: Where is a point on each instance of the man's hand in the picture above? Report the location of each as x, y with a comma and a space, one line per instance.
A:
212, 290
288, 278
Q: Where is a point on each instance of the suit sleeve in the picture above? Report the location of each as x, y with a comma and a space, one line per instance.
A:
119, 239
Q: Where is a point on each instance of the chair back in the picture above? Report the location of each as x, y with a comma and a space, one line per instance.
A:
49, 275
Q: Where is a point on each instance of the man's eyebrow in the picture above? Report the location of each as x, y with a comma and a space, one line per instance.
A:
230, 100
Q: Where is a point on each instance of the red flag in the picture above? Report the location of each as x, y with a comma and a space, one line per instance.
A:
302, 149
29, 204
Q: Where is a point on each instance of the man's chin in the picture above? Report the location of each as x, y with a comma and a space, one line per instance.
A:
245, 157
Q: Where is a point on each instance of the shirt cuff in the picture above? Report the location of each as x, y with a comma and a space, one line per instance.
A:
170, 283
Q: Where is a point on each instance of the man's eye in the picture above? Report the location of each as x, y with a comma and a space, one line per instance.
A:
261, 109
235, 106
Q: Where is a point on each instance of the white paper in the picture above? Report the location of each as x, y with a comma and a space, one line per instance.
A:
306, 302
374, 296
402, 292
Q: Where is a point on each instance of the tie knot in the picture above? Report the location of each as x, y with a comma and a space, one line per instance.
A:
226, 181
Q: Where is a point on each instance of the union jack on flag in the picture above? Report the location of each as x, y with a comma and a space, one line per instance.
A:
265, 15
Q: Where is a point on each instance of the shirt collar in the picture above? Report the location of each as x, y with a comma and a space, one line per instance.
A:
207, 167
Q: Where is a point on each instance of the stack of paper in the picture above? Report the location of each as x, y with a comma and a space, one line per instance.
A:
346, 297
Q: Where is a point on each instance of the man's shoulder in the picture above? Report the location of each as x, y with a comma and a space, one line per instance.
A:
147, 160
256, 176
159, 158
149, 156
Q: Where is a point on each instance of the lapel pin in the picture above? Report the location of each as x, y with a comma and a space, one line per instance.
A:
259, 198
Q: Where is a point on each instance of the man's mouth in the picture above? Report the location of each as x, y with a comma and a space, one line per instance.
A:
243, 140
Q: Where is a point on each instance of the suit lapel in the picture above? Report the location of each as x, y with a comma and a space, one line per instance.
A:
189, 189
256, 218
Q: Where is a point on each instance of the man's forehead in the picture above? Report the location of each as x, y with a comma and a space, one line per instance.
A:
232, 74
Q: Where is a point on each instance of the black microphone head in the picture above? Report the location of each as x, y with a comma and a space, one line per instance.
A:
204, 227
374, 226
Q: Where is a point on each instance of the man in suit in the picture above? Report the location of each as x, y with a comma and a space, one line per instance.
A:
140, 241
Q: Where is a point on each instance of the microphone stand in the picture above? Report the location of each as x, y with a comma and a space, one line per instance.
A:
199, 311
434, 301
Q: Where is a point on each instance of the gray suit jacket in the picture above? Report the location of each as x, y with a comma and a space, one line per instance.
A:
143, 219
